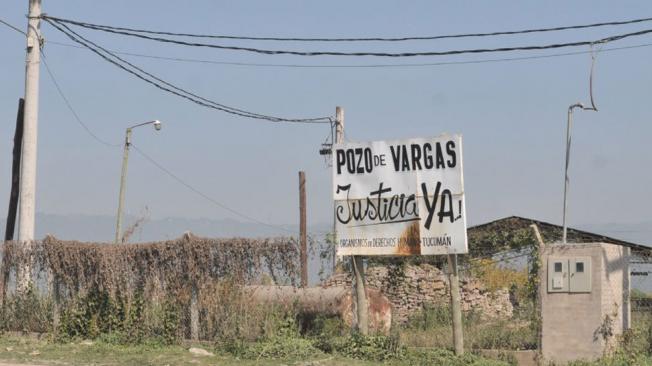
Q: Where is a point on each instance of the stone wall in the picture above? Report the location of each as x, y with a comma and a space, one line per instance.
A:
410, 288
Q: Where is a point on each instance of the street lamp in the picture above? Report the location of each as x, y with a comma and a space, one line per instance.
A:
123, 178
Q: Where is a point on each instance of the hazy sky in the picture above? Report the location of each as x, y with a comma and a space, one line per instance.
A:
512, 114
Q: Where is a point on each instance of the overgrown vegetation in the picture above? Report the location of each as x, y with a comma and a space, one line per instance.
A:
431, 328
143, 291
117, 320
137, 297
27, 312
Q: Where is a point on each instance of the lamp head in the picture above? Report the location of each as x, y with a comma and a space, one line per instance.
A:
157, 125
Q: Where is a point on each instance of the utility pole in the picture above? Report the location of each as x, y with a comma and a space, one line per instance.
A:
123, 179
302, 229
456, 304
27, 192
339, 137
358, 264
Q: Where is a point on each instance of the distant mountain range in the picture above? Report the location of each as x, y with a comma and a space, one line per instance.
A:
102, 228
638, 233
97, 228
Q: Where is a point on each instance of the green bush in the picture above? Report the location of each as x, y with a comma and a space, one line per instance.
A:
374, 348
117, 320
280, 338
322, 326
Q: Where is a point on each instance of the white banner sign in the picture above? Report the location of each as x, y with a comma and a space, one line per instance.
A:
402, 197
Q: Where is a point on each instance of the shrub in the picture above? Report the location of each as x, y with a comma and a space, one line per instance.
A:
119, 320
375, 348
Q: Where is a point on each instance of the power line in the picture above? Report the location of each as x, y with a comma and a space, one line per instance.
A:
445, 63
359, 53
72, 110
168, 87
469, 62
205, 196
13, 27
213, 104
369, 39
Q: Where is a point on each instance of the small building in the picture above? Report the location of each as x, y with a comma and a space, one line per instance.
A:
584, 300
584, 285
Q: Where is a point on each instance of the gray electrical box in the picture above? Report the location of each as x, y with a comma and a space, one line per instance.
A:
580, 274
569, 274
557, 274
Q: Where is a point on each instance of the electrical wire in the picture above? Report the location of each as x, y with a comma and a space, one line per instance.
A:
593, 57
203, 195
87, 44
72, 110
247, 64
218, 105
13, 27
363, 53
368, 39
170, 88
191, 60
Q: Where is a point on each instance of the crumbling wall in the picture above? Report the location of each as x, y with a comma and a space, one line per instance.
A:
411, 287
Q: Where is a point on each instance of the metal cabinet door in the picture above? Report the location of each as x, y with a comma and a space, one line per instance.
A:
558, 274
580, 274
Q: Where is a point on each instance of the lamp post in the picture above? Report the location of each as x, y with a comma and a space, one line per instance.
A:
123, 177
